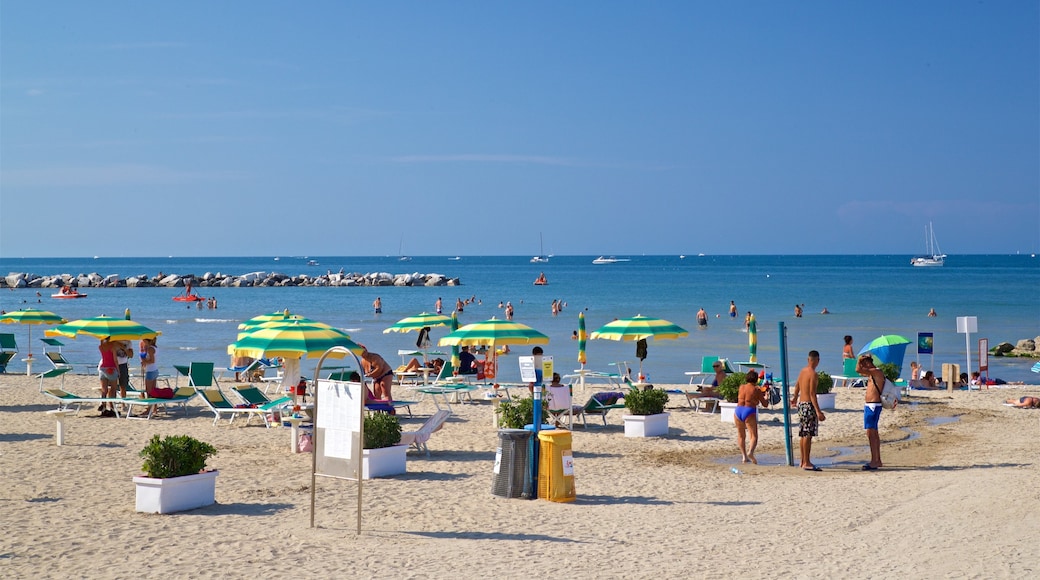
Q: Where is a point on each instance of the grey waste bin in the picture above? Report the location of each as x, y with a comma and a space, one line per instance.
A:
511, 464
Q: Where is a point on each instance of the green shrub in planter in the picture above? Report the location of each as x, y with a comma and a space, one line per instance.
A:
645, 402
381, 430
824, 383
730, 387
175, 456
514, 414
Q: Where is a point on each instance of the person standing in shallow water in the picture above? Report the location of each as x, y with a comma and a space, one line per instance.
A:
377, 305
702, 318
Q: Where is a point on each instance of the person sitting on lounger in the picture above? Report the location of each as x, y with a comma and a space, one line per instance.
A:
414, 365
467, 362
1024, 402
929, 382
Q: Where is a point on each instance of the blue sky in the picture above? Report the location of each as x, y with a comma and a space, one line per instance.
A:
358, 128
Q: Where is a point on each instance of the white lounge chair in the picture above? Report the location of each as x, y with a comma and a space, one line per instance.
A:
419, 437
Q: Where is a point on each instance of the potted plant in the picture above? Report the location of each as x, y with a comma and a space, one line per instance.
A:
647, 417
516, 413
175, 477
728, 390
382, 455
824, 396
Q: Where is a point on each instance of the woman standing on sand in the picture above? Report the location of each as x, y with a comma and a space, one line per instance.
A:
746, 415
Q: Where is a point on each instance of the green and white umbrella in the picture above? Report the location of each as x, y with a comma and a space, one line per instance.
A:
278, 316
418, 322
752, 337
102, 327
494, 332
293, 341
454, 325
30, 317
582, 338
638, 328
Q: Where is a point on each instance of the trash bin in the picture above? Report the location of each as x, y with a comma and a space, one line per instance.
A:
555, 466
511, 464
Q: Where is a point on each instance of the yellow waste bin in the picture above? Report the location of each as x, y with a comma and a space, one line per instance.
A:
555, 466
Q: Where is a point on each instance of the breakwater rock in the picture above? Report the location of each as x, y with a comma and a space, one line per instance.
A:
218, 280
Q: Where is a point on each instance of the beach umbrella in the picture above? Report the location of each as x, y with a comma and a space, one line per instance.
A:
102, 327
582, 337
638, 328
280, 315
292, 341
30, 317
752, 337
888, 348
454, 325
494, 332
418, 322
294, 319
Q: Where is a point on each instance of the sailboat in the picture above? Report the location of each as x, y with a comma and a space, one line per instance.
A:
541, 258
934, 257
400, 252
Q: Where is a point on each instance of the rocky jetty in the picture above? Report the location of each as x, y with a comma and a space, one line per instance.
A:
1026, 347
218, 280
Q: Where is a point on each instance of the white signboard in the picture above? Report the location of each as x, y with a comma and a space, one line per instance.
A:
528, 371
337, 427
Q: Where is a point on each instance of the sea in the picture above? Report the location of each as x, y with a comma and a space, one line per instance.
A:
866, 296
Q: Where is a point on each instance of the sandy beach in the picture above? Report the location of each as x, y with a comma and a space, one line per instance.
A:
957, 498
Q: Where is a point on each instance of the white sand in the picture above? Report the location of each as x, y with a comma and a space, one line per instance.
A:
961, 500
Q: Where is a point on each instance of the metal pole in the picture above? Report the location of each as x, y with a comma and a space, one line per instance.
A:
786, 391
967, 352
537, 419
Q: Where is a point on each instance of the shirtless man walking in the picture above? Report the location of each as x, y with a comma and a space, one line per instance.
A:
809, 413
872, 407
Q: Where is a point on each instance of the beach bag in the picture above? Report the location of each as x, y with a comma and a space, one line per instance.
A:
774, 395
889, 395
305, 444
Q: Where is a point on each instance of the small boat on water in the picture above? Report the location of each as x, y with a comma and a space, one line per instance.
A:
313, 263
934, 257
541, 280
188, 296
541, 258
608, 260
455, 259
68, 292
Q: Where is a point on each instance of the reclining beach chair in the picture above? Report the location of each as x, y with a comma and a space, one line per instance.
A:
601, 404
215, 400
419, 437
180, 397
57, 359
848, 374
8, 348
200, 375
53, 373
66, 399
558, 403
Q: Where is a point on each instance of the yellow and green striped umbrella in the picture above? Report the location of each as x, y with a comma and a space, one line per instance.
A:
454, 325
494, 332
293, 340
29, 317
581, 339
281, 315
639, 327
752, 338
418, 322
294, 319
102, 327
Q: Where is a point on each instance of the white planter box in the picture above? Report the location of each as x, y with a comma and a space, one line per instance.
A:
646, 425
826, 400
384, 462
175, 494
727, 411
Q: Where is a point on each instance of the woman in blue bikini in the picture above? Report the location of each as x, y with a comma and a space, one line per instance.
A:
745, 418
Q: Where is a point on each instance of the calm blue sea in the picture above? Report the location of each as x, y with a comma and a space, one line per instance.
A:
867, 296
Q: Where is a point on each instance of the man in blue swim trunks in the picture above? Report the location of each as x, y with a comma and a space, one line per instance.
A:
872, 407
809, 413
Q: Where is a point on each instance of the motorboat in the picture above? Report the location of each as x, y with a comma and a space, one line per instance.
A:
312, 263
934, 257
608, 260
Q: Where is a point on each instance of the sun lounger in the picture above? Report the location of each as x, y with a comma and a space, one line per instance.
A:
558, 403
53, 373
180, 397
848, 374
601, 404
215, 400
419, 437
8, 348
66, 399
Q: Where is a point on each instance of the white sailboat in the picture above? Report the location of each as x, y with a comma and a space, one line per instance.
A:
400, 252
934, 257
541, 258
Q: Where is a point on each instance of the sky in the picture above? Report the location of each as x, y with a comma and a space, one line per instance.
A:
330, 128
